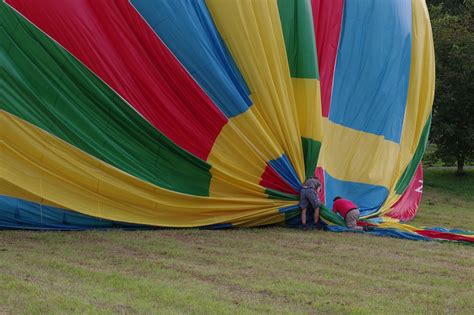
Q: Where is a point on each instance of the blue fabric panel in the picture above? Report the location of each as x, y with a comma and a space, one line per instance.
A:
285, 169
21, 214
382, 232
289, 209
369, 198
186, 27
218, 226
373, 67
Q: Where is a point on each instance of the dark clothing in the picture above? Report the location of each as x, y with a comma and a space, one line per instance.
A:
312, 183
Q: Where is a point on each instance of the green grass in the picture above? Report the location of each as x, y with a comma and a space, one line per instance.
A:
448, 200
248, 271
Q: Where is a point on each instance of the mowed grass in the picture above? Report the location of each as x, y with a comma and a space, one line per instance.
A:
265, 270
448, 200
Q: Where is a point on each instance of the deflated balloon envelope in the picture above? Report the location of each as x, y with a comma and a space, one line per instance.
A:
210, 113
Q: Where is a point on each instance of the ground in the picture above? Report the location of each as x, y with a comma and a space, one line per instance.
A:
247, 271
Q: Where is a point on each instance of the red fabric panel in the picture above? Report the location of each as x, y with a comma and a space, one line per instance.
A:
113, 40
327, 18
445, 236
405, 208
319, 173
271, 179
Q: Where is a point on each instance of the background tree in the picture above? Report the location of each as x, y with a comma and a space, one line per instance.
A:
453, 112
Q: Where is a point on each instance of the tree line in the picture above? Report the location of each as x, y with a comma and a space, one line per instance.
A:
452, 128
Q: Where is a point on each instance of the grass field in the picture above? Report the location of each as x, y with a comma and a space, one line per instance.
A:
247, 271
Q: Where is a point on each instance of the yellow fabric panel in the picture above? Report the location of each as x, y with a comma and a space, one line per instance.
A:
239, 156
398, 226
357, 156
273, 219
420, 93
252, 31
308, 103
7, 189
46, 167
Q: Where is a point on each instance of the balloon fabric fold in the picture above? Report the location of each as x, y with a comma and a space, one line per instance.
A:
211, 113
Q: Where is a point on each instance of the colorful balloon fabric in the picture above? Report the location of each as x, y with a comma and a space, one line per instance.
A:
193, 113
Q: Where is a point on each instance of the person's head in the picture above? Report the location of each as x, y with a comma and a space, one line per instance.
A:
318, 187
313, 182
336, 198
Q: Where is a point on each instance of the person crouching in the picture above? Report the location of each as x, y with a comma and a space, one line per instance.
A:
348, 210
309, 196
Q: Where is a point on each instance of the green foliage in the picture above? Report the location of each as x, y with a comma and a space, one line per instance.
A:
453, 112
430, 158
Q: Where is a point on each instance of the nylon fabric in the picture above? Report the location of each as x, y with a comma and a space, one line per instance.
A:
248, 140
406, 207
211, 114
276, 183
46, 166
373, 67
240, 155
357, 156
253, 34
188, 31
58, 94
393, 158
327, 18
8, 189
297, 25
403, 182
308, 104
368, 197
22, 214
419, 102
113, 40
296, 22
311, 149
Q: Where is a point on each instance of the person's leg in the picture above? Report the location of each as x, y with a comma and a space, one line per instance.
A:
316, 216
303, 216
351, 220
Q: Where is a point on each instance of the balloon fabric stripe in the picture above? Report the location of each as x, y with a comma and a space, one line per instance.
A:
113, 40
373, 67
327, 18
57, 93
187, 29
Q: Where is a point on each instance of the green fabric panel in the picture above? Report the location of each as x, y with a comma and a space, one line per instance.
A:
331, 217
324, 212
311, 153
46, 86
297, 24
405, 179
275, 194
291, 214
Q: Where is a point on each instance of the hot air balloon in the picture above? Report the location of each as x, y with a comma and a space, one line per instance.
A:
193, 113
